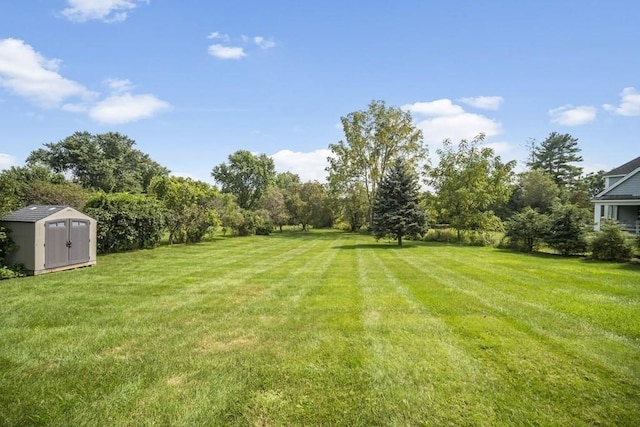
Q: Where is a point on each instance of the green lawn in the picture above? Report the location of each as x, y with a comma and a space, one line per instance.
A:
323, 329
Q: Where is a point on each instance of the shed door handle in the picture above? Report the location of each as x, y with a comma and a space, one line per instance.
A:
69, 243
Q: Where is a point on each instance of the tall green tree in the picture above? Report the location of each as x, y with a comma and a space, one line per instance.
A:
273, 203
396, 210
539, 190
37, 184
558, 155
246, 176
374, 139
313, 209
107, 162
468, 181
190, 207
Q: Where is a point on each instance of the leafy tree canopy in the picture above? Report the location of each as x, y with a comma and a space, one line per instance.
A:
374, 139
108, 162
246, 176
468, 181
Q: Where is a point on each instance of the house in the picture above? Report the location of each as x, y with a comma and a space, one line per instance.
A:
620, 199
51, 238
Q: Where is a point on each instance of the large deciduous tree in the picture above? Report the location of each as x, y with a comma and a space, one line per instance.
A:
190, 207
246, 176
107, 162
374, 139
468, 181
396, 209
557, 155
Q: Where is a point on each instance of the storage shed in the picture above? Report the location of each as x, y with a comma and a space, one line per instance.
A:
51, 238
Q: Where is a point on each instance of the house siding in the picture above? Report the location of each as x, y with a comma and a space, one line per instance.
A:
630, 187
610, 180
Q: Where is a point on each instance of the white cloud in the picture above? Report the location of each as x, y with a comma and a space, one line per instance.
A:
28, 74
219, 36
102, 10
123, 108
484, 102
439, 107
309, 166
446, 120
226, 52
629, 105
499, 147
264, 43
6, 161
119, 85
237, 47
568, 115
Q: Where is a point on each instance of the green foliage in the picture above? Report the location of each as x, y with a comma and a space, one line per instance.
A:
375, 138
22, 186
106, 162
246, 176
557, 156
354, 208
396, 210
526, 230
6, 247
190, 207
468, 181
567, 229
593, 183
274, 203
611, 243
539, 190
126, 221
313, 209
6, 244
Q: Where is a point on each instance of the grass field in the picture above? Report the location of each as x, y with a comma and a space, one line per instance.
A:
323, 329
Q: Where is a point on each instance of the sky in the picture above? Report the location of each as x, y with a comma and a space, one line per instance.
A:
193, 81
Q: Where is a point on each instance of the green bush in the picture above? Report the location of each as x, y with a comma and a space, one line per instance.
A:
611, 243
126, 221
526, 230
567, 229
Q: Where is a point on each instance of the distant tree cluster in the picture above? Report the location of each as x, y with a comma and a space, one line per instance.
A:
379, 179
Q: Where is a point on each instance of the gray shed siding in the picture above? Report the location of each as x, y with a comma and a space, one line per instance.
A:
30, 234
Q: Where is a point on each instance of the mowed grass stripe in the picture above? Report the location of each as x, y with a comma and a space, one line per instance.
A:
504, 333
419, 374
321, 329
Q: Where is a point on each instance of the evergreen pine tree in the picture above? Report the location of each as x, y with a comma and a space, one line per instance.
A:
396, 210
557, 156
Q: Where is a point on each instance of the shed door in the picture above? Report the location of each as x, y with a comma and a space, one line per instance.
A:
79, 238
56, 236
66, 242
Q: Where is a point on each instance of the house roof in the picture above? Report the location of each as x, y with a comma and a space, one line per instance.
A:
626, 168
32, 213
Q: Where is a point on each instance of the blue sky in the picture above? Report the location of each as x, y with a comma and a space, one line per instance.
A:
193, 81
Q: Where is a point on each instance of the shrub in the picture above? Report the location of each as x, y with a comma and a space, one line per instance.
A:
126, 221
611, 243
567, 230
444, 235
526, 230
6, 247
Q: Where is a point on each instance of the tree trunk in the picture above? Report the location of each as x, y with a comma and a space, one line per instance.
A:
399, 239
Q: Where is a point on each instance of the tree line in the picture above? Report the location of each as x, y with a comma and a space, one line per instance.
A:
379, 179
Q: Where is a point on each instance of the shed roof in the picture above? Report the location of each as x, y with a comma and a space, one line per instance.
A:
33, 213
625, 169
